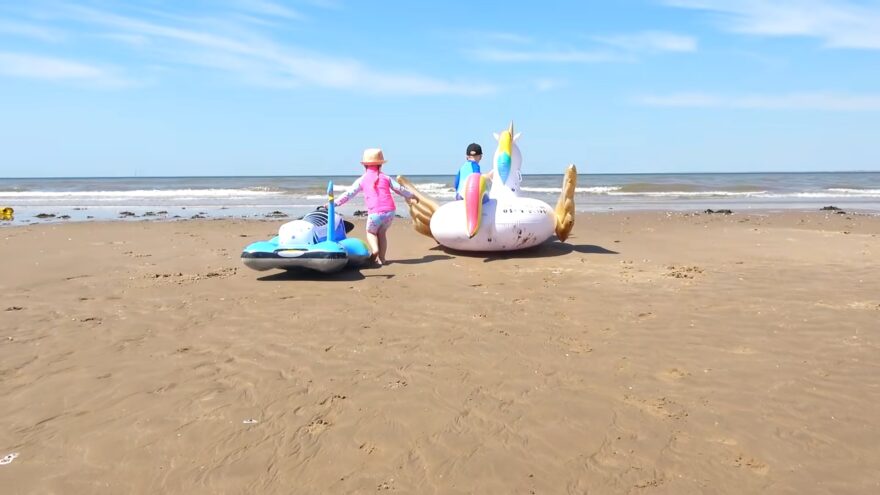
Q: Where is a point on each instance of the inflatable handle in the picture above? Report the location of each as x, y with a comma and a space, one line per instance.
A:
331, 213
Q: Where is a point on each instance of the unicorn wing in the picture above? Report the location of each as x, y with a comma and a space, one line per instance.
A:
422, 211
565, 204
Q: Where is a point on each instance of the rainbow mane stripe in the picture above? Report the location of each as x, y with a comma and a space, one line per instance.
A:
502, 162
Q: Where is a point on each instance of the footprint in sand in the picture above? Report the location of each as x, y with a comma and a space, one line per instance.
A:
367, 448
672, 374
753, 464
688, 272
318, 426
661, 407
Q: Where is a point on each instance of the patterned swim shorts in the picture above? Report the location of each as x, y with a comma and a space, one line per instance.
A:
378, 221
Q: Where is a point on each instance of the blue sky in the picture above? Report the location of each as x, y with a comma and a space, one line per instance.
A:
272, 87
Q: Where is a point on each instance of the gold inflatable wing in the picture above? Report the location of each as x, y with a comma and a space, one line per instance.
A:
422, 211
565, 204
7, 213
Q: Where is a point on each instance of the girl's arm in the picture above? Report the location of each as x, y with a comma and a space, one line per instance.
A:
352, 192
401, 190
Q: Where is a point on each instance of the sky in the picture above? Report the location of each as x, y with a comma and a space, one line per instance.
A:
300, 87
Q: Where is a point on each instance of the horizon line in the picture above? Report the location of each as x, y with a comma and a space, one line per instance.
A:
430, 175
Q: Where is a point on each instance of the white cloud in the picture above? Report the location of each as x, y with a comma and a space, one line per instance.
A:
651, 41
267, 8
325, 4
506, 37
259, 59
789, 101
548, 56
618, 48
56, 69
549, 84
135, 40
29, 30
840, 24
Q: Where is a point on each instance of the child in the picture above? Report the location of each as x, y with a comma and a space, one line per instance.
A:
377, 188
474, 154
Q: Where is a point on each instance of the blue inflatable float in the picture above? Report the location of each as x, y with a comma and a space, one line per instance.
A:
309, 243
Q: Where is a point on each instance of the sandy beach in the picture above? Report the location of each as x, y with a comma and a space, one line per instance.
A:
652, 353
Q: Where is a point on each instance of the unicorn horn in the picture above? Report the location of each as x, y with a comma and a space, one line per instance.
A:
510, 129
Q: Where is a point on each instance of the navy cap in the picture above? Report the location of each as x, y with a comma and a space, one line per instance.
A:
474, 149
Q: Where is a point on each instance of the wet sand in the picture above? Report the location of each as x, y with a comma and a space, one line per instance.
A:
652, 353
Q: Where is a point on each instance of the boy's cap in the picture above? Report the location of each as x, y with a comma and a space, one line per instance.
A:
474, 149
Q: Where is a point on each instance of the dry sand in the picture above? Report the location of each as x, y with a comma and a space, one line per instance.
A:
653, 353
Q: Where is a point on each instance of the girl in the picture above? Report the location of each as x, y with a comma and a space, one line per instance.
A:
377, 188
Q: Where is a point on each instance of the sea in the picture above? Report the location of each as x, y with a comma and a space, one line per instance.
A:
42, 200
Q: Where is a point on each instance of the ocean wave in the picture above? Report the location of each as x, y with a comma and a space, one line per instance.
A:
855, 191
691, 194
650, 187
830, 194
427, 186
141, 193
582, 190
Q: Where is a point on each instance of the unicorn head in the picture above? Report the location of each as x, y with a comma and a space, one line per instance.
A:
506, 164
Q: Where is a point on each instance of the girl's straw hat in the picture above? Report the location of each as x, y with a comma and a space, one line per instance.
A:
373, 156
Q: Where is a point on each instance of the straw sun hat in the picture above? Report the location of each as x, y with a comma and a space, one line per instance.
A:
373, 156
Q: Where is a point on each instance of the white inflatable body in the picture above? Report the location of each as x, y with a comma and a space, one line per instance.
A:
507, 224
507, 221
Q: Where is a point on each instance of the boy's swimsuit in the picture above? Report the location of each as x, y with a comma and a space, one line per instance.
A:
461, 178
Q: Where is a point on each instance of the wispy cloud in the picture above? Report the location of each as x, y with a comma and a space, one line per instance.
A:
547, 56
625, 47
31, 66
29, 30
549, 84
259, 59
506, 37
651, 41
267, 8
325, 4
842, 102
840, 24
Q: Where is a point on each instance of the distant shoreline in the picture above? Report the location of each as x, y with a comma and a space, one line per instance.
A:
451, 173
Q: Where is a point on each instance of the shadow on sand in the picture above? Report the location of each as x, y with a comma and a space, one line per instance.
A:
424, 259
346, 275
545, 250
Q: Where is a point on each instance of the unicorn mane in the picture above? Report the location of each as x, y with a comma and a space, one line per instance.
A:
506, 164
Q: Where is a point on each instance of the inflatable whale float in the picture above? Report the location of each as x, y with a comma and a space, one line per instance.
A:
309, 243
505, 221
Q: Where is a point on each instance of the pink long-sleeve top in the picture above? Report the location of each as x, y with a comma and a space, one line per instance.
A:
377, 188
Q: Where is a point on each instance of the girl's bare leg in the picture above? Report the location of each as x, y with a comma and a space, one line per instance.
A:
383, 243
373, 241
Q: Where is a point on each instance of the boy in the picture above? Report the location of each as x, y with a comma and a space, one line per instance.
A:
474, 154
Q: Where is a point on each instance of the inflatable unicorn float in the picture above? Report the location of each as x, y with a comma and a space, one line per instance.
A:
500, 219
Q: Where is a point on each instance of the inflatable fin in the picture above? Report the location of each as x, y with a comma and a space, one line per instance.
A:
422, 211
565, 204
